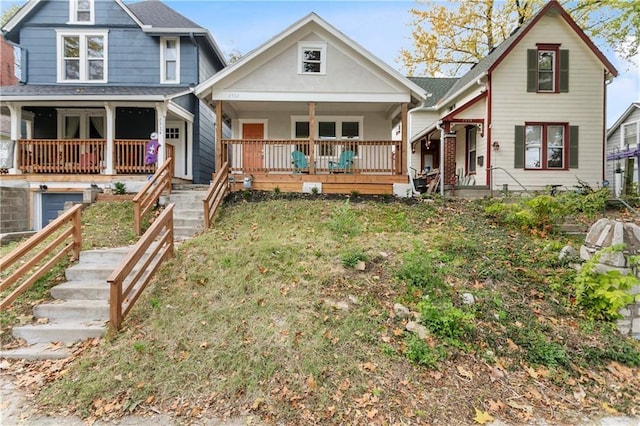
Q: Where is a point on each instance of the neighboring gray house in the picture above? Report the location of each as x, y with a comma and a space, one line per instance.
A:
623, 148
98, 77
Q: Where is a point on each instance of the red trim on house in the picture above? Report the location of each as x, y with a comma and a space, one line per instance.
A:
488, 139
604, 125
553, 4
451, 116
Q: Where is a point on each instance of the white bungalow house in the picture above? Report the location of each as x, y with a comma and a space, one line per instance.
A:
529, 115
311, 108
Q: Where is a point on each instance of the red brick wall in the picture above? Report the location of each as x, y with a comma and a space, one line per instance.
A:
7, 75
449, 160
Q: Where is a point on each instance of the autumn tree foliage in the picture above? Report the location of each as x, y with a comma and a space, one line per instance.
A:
449, 37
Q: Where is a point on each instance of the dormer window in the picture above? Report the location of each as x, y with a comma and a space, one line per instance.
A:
170, 60
312, 58
81, 11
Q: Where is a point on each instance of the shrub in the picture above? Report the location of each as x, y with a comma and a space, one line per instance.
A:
602, 294
119, 188
419, 270
445, 320
419, 352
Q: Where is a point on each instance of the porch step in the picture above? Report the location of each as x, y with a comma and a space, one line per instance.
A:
62, 332
188, 214
37, 351
73, 309
90, 271
81, 290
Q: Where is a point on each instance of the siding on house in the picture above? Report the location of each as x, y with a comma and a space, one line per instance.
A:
614, 141
582, 106
203, 166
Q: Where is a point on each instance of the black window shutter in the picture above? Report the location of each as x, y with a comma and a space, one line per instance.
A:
532, 70
518, 161
564, 71
573, 147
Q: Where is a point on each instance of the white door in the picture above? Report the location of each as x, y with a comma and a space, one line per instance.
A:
175, 140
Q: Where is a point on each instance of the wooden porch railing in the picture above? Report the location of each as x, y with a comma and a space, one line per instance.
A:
62, 156
66, 234
145, 199
256, 156
129, 157
217, 191
130, 278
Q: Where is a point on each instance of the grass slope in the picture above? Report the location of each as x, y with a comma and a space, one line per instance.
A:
271, 315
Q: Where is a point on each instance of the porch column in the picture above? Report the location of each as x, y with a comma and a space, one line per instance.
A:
161, 115
16, 118
312, 138
110, 137
219, 156
449, 160
404, 128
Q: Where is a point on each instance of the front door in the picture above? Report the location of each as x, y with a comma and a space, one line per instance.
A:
175, 148
252, 152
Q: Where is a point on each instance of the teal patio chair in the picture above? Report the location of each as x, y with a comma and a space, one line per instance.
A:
344, 163
299, 161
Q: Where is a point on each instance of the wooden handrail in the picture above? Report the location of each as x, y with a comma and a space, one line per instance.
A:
217, 191
130, 278
68, 241
147, 197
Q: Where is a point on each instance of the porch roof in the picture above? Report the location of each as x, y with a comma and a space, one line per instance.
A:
59, 92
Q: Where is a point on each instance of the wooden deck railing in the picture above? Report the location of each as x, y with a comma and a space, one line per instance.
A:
82, 156
146, 198
62, 156
130, 278
66, 237
255, 156
129, 157
217, 191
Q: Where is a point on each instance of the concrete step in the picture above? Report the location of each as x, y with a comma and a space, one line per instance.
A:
184, 232
63, 332
110, 256
37, 351
88, 310
87, 271
180, 222
189, 213
81, 290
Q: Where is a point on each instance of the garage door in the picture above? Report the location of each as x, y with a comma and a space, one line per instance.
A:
52, 204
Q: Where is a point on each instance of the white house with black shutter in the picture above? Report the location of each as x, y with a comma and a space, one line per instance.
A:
530, 114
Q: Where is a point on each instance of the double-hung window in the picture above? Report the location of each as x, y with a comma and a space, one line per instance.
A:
630, 134
472, 151
548, 69
328, 131
81, 11
170, 60
82, 57
545, 146
312, 58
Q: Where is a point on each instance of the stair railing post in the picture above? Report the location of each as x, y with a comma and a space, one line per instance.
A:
115, 303
136, 217
77, 233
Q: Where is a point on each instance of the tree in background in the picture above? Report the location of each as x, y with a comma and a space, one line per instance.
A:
8, 14
449, 38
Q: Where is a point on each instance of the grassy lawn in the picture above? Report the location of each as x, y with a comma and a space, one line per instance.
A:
284, 312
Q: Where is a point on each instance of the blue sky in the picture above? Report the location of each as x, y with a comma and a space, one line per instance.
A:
382, 27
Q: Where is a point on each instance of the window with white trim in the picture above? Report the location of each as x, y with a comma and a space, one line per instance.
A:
81, 11
347, 129
630, 134
82, 57
170, 60
545, 146
546, 70
312, 58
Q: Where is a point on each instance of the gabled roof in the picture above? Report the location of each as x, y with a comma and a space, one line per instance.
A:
493, 59
436, 87
157, 15
416, 90
623, 118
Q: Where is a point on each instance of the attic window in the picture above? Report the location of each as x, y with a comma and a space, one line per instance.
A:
312, 58
81, 11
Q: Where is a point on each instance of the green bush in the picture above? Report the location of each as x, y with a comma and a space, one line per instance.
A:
445, 320
420, 353
538, 350
119, 188
602, 294
419, 270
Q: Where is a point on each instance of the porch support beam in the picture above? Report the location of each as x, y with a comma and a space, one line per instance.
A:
219, 157
405, 124
161, 113
110, 115
312, 141
15, 110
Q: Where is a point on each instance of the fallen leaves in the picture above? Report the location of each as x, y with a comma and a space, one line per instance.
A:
482, 417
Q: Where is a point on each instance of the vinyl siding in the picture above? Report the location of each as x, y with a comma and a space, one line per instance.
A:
107, 13
203, 166
615, 141
582, 106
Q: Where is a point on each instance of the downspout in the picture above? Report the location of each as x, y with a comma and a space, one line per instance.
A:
606, 82
441, 159
410, 115
487, 132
